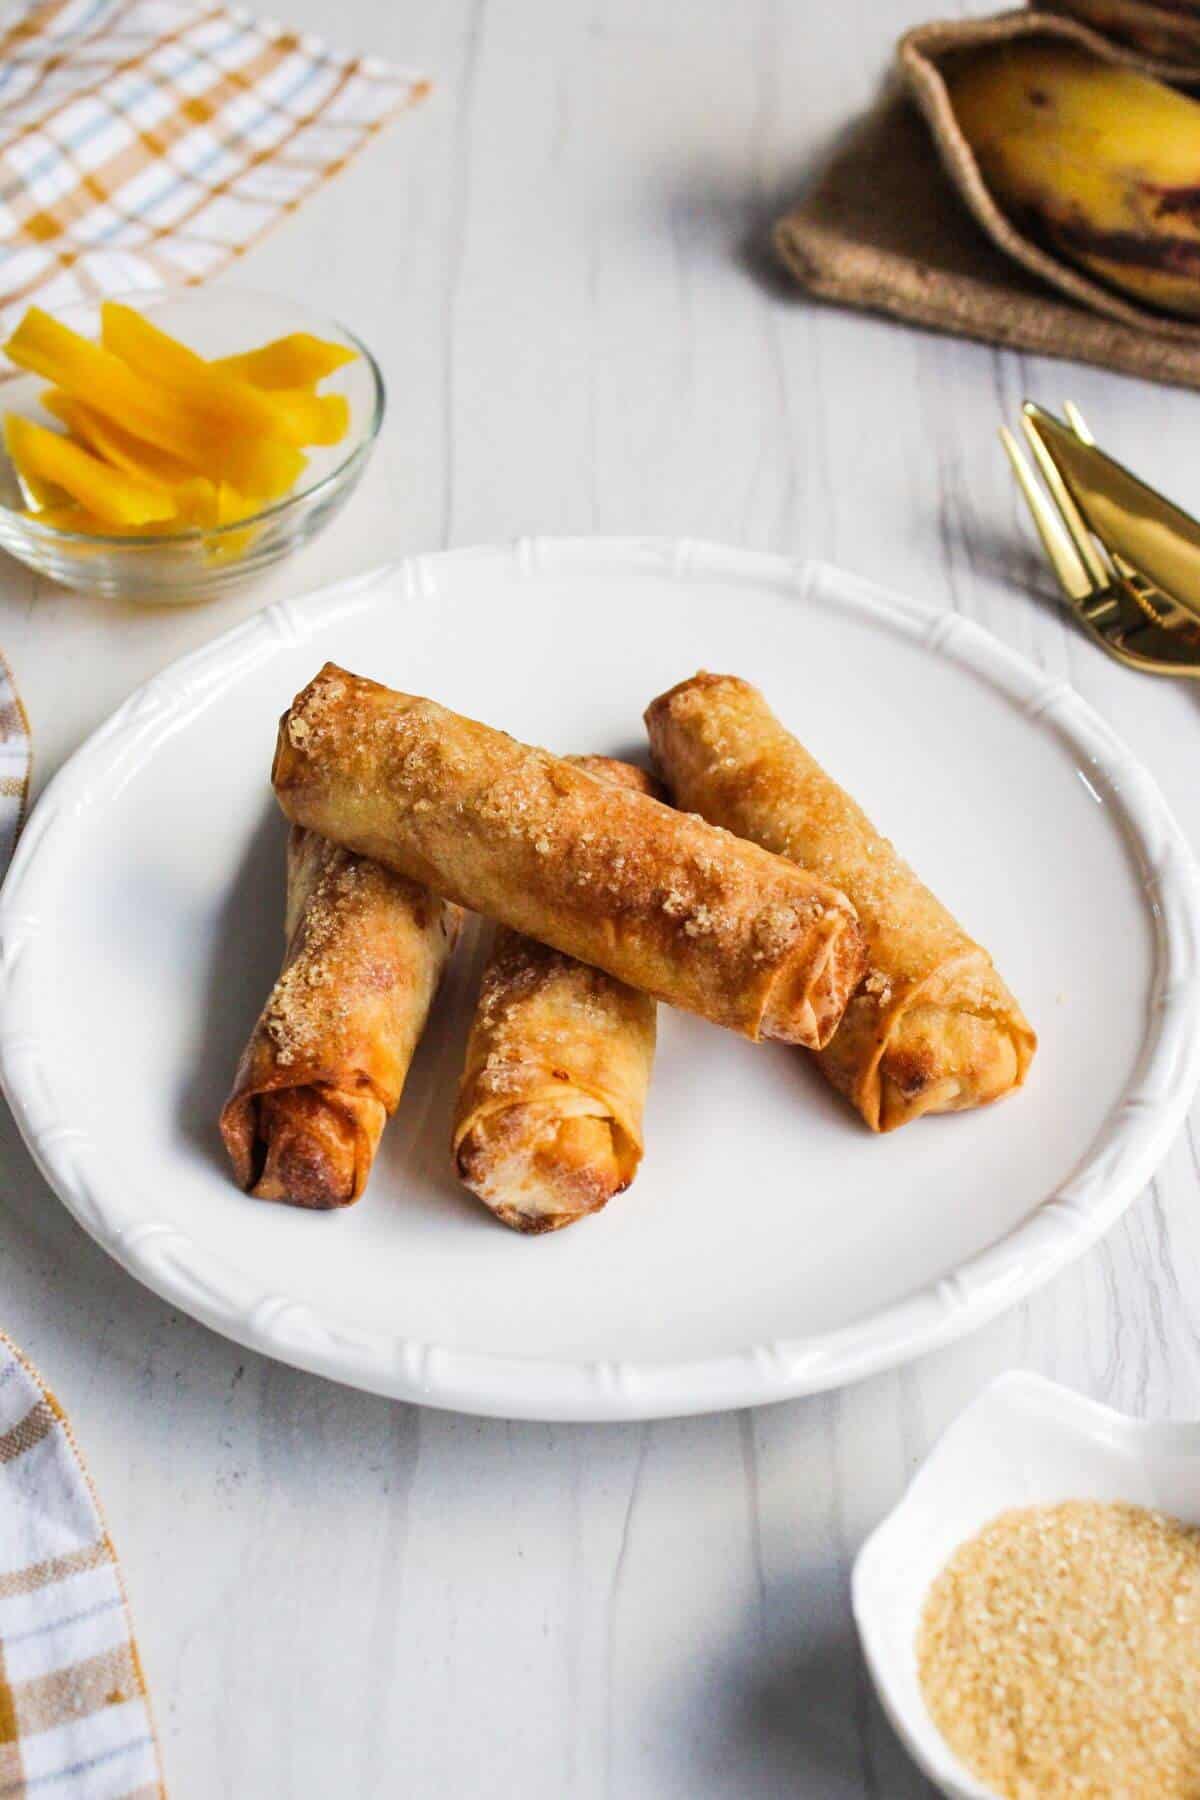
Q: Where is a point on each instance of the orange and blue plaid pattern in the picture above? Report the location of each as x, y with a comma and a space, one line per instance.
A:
74, 1718
144, 143
16, 757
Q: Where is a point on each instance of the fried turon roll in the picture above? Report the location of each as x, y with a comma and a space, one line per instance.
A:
548, 1125
932, 1027
664, 902
327, 1061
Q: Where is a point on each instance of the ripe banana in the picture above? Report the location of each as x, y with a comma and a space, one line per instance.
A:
1102, 163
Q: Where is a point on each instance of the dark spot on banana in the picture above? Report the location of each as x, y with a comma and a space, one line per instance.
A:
1176, 202
1174, 255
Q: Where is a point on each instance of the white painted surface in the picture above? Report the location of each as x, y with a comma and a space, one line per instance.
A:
341, 1596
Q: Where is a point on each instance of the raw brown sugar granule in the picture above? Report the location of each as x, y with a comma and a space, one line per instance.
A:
1059, 1654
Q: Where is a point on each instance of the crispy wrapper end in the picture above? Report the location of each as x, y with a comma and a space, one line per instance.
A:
309, 1145
659, 899
932, 1027
327, 1060
956, 1041
808, 1001
548, 1125
540, 1165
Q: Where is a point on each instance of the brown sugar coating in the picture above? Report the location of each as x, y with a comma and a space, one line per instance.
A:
663, 901
326, 1063
932, 1028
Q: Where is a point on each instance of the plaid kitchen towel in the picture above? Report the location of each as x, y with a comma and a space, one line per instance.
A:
16, 756
75, 1723
74, 1719
145, 143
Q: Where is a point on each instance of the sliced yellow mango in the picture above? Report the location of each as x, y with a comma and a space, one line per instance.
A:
198, 500
117, 498
230, 545
230, 403
232, 506
299, 360
316, 418
259, 466
111, 441
77, 518
66, 517
38, 493
292, 412
89, 372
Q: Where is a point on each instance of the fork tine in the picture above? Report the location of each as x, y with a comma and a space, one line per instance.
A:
1072, 518
1146, 595
1078, 423
1064, 559
1157, 605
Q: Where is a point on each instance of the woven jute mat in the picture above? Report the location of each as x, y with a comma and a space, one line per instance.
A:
900, 221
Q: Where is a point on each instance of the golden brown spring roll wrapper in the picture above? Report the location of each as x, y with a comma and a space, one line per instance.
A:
548, 1125
932, 1028
326, 1062
612, 877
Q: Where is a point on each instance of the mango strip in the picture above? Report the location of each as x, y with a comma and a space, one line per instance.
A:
297, 361
258, 466
116, 498
294, 413
77, 518
198, 501
76, 365
64, 518
231, 404
111, 441
317, 418
40, 493
69, 516
232, 506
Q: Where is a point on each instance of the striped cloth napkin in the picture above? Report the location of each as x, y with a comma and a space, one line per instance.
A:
16, 759
145, 143
74, 1720
75, 1723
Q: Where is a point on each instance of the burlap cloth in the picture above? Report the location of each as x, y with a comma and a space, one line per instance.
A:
899, 221
1167, 36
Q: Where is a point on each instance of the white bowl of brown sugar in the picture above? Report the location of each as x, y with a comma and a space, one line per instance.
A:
1030, 1611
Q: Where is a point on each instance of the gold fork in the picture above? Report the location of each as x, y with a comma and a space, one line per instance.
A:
1130, 616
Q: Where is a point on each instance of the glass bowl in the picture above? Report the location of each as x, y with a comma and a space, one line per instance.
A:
198, 562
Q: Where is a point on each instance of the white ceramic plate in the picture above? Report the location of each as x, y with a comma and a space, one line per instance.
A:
771, 1246
1024, 1442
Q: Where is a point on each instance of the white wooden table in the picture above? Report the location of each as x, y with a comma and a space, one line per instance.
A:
558, 259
